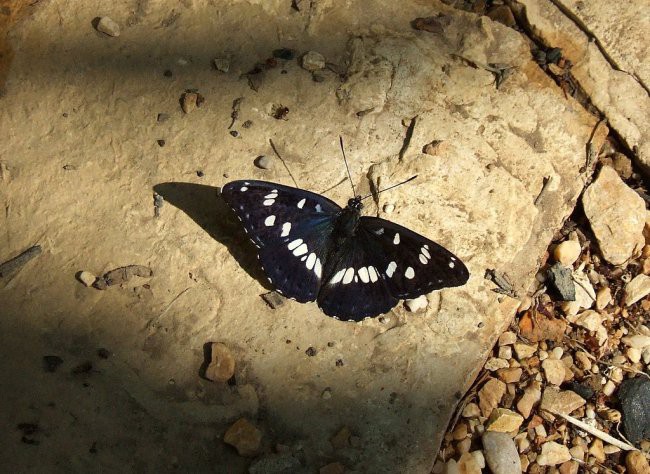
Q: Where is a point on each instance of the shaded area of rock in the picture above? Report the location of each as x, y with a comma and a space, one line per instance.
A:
616, 215
634, 395
501, 453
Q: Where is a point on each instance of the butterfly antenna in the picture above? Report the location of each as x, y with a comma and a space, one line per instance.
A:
391, 187
275, 150
346, 166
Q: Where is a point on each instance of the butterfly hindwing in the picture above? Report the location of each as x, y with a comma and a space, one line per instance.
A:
353, 288
411, 264
291, 228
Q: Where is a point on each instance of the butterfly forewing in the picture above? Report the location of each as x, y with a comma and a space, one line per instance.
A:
291, 227
411, 264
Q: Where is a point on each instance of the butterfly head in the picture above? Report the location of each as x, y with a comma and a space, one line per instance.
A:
355, 203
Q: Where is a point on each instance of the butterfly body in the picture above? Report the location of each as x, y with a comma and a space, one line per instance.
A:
354, 266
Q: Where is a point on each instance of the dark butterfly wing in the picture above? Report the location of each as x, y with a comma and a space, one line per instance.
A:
291, 227
411, 264
353, 288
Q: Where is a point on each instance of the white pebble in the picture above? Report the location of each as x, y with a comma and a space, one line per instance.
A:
86, 278
389, 208
108, 26
609, 388
543, 355
417, 304
557, 353
479, 458
264, 162
645, 355
313, 61
221, 64
505, 352
634, 354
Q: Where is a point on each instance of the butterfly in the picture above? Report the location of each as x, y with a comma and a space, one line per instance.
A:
353, 266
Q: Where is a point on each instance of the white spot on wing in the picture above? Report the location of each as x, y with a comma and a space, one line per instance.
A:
392, 266
373, 274
451, 265
426, 246
273, 195
294, 243
423, 259
269, 221
338, 277
379, 231
311, 261
319, 208
363, 274
268, 202
318, 268
301, 250
349, 274
425, 252
301, 203
396, 239
243, 189
409, 273
286, 228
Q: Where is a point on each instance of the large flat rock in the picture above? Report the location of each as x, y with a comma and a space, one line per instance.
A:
605, 42
507, 172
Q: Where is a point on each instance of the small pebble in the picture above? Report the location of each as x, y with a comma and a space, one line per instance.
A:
505, 352
168, 73
313, 61
389, 208
557, 353
507, 338
86, 278
311, 351
504, 421
603, 298
471, 410
609, 388
567, 252
161, 143
636, 289
553, 454
200, 174
234, 133
222, 364
327, 394
162, 117
634, 354
247, 124
108, 26
189, 101
417, 304
244, 436
264, 162
501, 453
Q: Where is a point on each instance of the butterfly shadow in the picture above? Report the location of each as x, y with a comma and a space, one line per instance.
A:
206, 207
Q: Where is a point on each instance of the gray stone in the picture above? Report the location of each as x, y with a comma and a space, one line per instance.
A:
264, 162
501, 453
313, 61
560, 277
634, 395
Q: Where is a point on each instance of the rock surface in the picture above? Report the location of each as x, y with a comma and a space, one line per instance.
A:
616, 215
244, 437
222, 363
553, 454
488, 181
637, 289
634, 395
501, 453
561, 401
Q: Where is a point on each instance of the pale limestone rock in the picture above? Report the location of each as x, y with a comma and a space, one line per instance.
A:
637, 289
507, 338
510, 375
554, 371
567, 252
500, 453
505, 352
561, 401
494, 363
479, 458
638, 341
633, 354
109, 27
221, 64
471, 410
569, 467
592, 321
503, 420
503, 142
609, 388
244, 436
524, 351
583, 361
616, 215
532, 395
553, 454
597, 451
603, 298
490, 395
